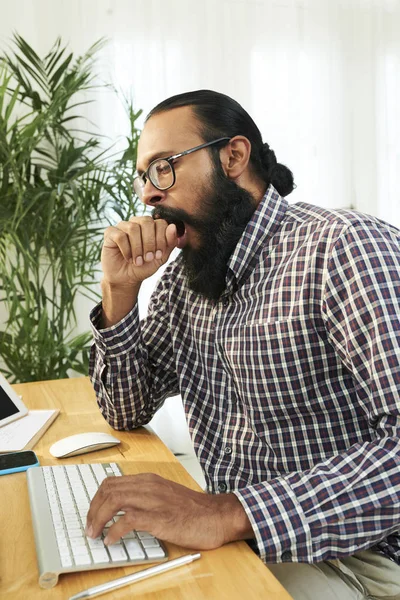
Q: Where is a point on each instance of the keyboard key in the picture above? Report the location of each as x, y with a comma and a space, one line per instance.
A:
66, 561
129, 535
142, 535
75, 533
99, 472
115, 469
78, 545
100, 556
150, 543
96, 544
61, 537
117, 552
134, 549
155, 552
82, 559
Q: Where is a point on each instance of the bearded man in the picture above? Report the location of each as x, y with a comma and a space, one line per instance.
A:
279, 326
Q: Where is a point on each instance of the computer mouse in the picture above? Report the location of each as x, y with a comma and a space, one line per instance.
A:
82, 443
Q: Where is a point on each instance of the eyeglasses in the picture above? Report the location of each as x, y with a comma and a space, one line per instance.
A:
161, 172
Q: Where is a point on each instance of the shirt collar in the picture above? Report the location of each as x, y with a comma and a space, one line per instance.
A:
266, 219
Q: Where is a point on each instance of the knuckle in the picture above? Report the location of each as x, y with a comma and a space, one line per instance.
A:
102, 492
161, 228
148, 228
132, 228
141, 219
111, 232
114, 497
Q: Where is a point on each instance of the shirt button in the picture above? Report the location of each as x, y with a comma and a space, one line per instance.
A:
286, 556
228, 450
222, 487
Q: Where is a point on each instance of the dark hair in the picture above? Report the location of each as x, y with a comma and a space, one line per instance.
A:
222, 116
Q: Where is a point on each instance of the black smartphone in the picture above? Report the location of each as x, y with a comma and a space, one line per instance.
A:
13, 462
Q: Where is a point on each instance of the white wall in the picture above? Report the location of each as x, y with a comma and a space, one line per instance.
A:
320, 77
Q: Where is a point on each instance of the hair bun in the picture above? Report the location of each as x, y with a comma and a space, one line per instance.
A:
275, 173
268, 157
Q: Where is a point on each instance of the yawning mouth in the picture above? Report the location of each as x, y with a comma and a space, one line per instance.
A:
180, 231
180, 226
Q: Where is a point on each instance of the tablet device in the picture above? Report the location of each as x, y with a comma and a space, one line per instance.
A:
11, 405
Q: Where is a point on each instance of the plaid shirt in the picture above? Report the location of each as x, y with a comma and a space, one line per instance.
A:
290, 383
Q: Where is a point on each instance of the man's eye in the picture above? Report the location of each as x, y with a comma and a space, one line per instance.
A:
163, 168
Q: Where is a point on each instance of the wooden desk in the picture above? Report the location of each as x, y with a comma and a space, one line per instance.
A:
231, 572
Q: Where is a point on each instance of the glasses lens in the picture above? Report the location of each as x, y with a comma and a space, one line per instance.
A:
161, 174
138, 186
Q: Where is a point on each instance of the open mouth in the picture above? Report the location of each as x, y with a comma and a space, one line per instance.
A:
181, 233
180, 226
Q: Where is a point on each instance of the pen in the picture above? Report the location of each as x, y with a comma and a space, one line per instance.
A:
117, 583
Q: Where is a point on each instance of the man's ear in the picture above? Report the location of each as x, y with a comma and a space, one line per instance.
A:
235, 156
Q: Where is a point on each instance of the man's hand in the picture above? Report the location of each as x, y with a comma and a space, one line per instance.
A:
168, 511
134, 250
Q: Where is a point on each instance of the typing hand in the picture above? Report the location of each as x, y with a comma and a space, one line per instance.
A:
168, 511
134, 250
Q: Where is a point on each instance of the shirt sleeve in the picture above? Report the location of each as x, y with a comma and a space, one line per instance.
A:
132, 366
352, 500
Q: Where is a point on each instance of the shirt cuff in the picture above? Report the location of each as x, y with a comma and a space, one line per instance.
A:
118, 339
280, 527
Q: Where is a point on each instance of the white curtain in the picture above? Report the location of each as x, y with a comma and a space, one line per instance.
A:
320, 77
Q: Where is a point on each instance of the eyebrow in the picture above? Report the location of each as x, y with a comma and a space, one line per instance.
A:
159, 154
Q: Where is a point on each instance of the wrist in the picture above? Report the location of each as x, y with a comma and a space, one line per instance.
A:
233, 518
119, 288
117, 301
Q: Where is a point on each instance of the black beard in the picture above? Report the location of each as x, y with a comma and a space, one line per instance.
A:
227, 208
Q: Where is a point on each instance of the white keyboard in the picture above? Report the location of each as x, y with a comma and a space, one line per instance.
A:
60, 497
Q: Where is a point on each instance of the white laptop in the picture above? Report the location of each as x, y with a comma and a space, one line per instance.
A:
11, 405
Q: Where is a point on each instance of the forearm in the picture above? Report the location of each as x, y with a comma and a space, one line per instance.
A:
117, 302
122, 389
330, 510
132, 366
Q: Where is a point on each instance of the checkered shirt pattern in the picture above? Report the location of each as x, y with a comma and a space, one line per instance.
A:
290, 382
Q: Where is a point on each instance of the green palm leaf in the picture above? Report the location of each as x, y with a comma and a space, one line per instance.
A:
56, 192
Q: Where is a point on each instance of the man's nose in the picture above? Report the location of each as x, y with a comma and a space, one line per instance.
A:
151, 195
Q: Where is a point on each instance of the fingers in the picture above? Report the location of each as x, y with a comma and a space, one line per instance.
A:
103, 508
124, 524
115, 238
171, 235
143, 239
131, 494
114, 494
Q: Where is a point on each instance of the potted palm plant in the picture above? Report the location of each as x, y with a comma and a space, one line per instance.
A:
58, 187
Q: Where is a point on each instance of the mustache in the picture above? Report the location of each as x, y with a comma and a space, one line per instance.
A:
176, 215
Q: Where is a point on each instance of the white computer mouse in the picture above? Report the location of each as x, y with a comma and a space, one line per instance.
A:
82, 443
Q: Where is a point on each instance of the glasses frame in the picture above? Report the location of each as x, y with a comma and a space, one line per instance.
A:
169, 159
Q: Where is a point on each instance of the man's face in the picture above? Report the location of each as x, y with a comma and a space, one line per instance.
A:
209, 209
169, 133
